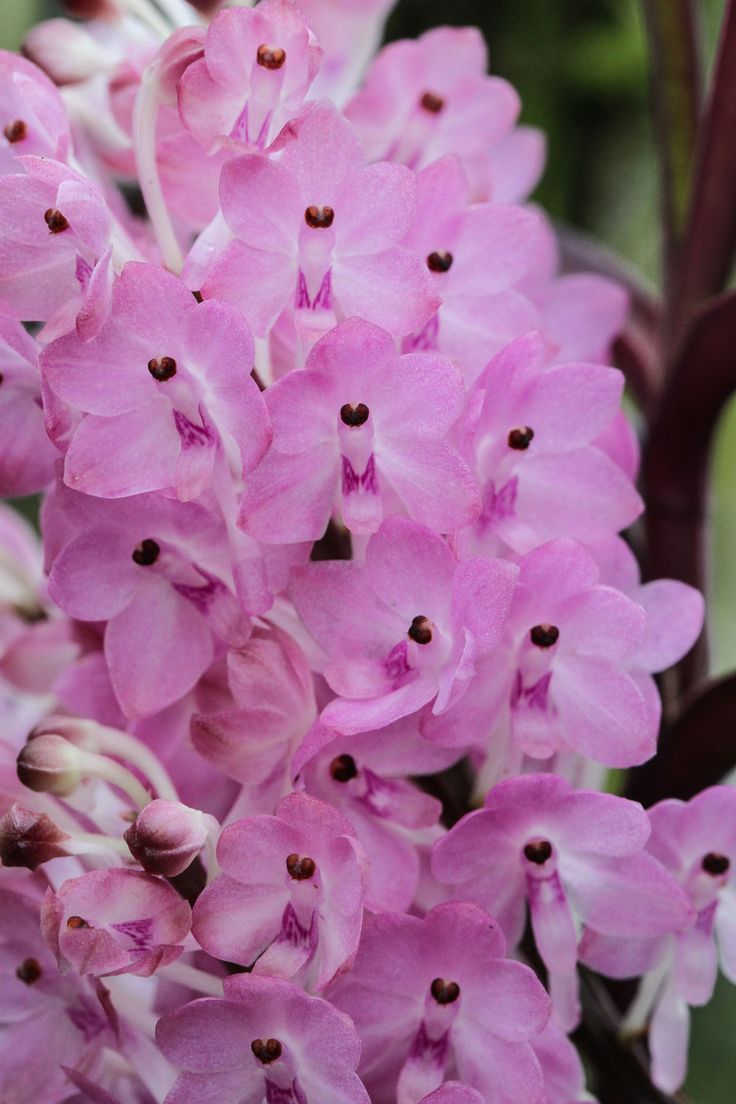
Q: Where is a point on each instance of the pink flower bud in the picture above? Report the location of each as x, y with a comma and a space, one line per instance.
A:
50, 764
167, 835
28, 838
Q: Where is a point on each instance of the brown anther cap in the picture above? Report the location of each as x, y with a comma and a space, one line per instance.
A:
444, 991
270, 57
440, 261
343, 768
544, 636
76, 922
420, 629
431, 102
16, 131
29, 971
55, 221
715, 863
354, 414
146, 553
538, 851
319, 218
162, 368
521, 437
300, 867
266, 1050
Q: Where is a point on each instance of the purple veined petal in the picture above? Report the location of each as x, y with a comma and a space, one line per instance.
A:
253, 280
552, 487
555, 572
324, 155
495, 246
669, 1035
674, 621
571, 404
334, 597
619, 956
502, 1071
412, 569
124, 455
630, 895
94, 577
384, 202
517, 162
584, 312
27, 457
390, 289
148, 667
473, 329
604, 622
602, 711
600, 823
431, 480
482, 597
220, 911
353, 715
262, 204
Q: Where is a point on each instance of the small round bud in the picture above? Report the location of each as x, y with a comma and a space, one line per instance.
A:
319, 218
544, 636
538, 851
50, 764
146, 553
420, 629
354, 414
716, 864
343, 768
300, 868
16, 131
444, 991
270, 57
55, 221
521, 437
432, 103
266, 1050
29, 971
29, 839
439, 262
162, 368
166, 836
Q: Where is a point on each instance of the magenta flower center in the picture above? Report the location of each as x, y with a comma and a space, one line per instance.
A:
440, 261
444, 991
716, 864
300, 867
319, 218
354, 414
420, 629
146, 553
343, 768
266, 1050
544, 635
16, 131
29, 971
431, 102
162, 368
538, 851
521, 437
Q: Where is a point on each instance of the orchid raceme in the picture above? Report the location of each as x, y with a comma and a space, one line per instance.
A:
313, 667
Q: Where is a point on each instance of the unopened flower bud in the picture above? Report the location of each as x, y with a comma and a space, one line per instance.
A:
28, 838
166, 836
50, 764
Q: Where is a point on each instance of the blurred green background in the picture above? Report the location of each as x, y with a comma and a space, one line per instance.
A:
581, 69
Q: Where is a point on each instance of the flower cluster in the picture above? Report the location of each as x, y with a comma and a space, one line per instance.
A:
333, 473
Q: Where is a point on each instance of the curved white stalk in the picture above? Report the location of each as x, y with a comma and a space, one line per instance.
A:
145, 114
